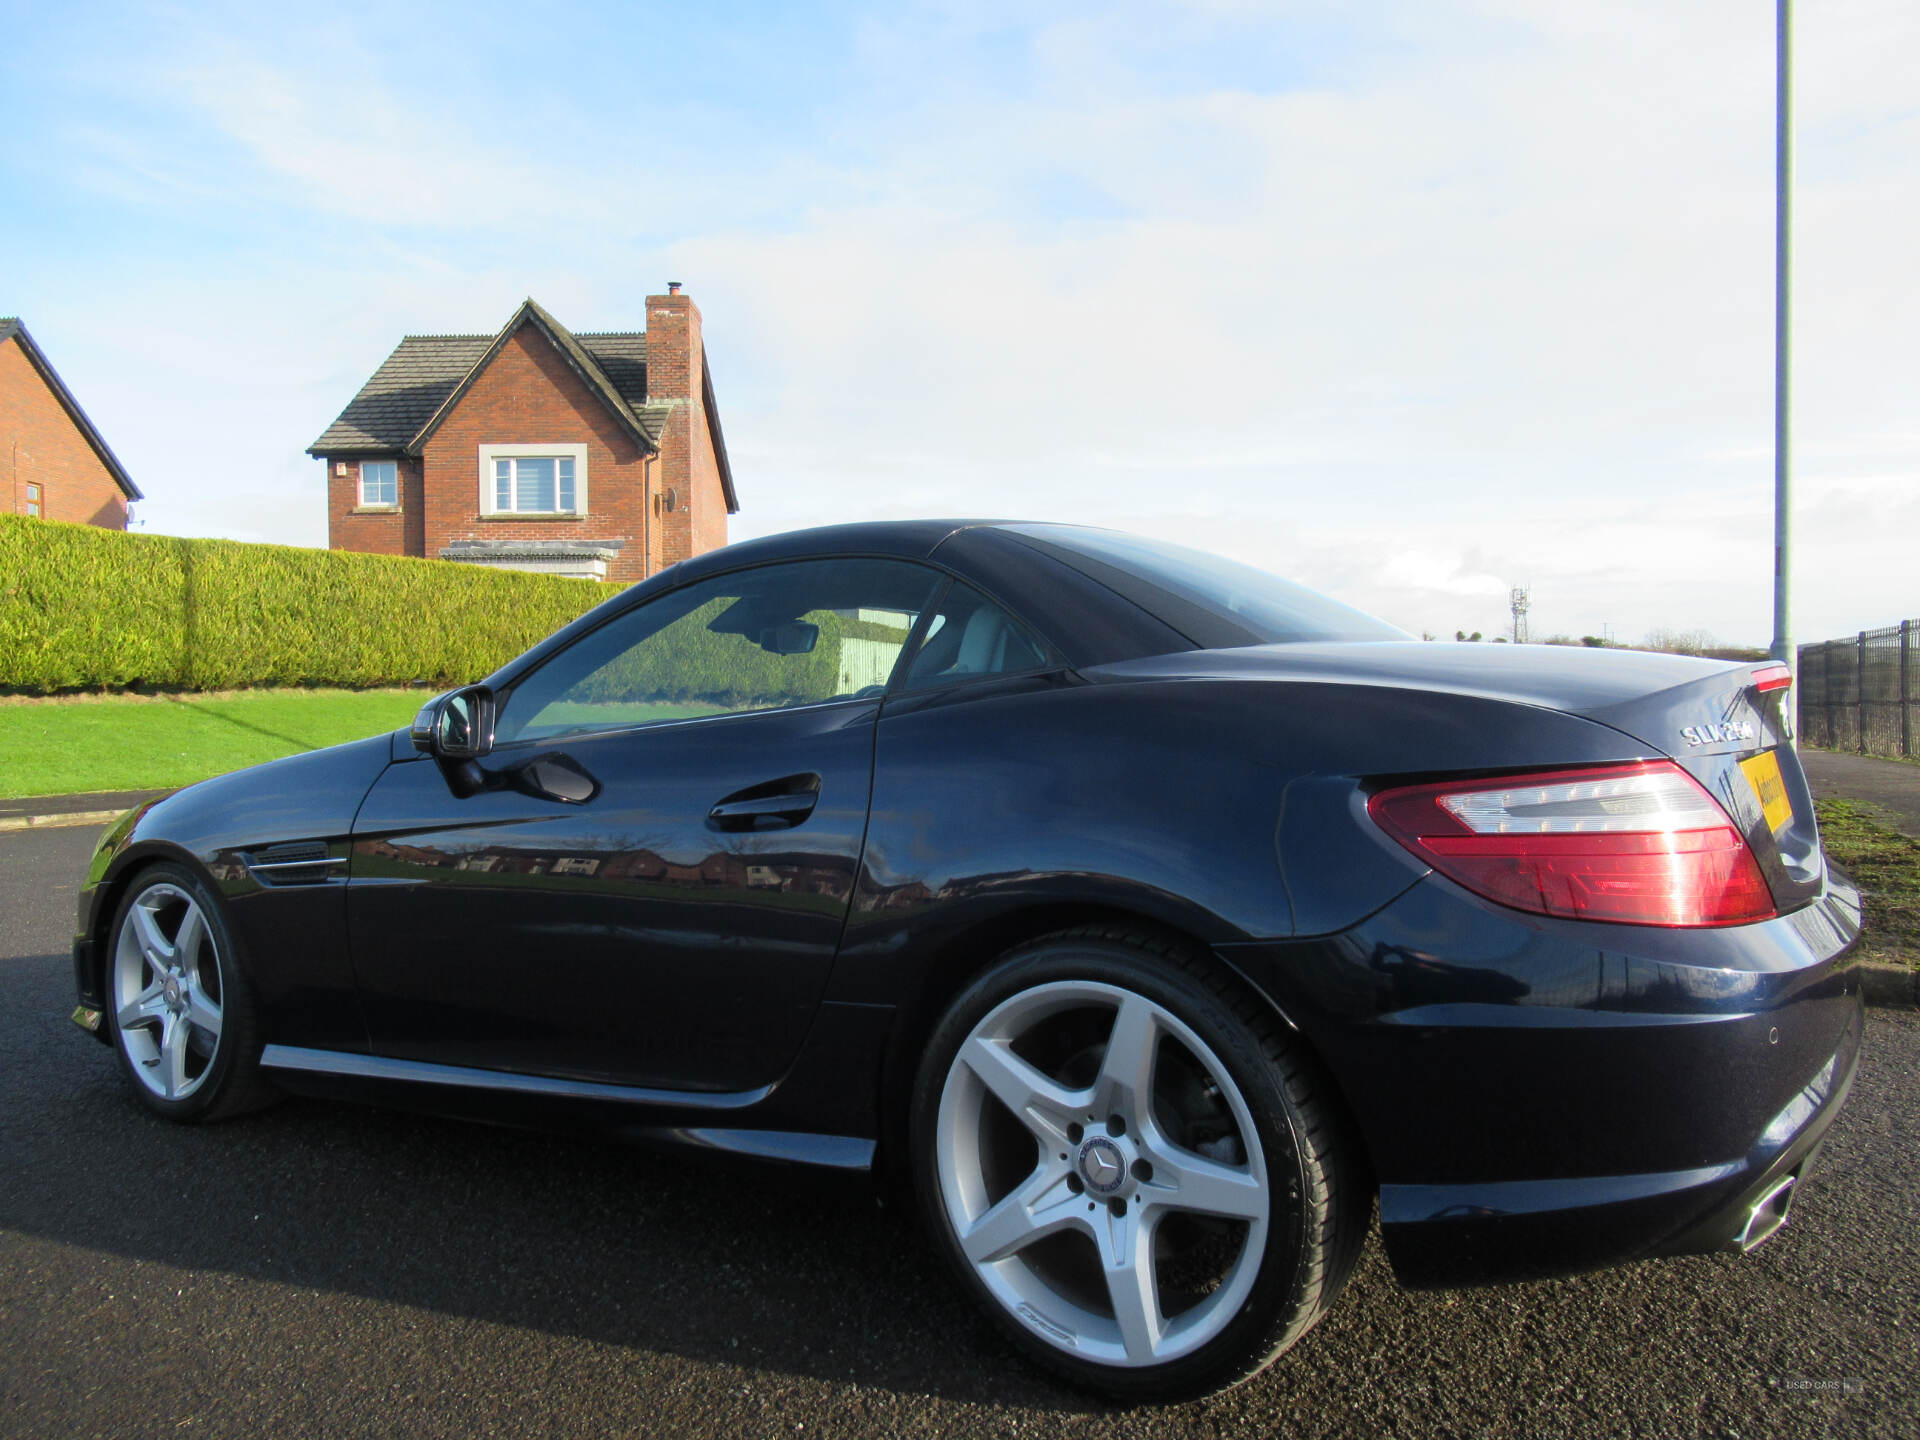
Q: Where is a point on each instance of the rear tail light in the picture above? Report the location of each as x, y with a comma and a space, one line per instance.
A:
1641, 844
1772, 677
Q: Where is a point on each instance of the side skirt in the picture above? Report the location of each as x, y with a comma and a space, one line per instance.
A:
681, 1117
420, 1072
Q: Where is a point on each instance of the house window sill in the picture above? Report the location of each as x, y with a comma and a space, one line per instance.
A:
548, 516
375, 510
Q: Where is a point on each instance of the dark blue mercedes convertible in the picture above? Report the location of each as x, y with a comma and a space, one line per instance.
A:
1147, 917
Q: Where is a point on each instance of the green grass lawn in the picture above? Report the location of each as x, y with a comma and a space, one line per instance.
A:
1885, 864
122, 742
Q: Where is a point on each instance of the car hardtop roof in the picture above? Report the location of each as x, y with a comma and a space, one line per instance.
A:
909, 539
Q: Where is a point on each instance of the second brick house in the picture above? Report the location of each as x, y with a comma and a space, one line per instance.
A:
535, 448
53, 462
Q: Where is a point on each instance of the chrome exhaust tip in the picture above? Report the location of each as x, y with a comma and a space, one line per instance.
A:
1769, 1213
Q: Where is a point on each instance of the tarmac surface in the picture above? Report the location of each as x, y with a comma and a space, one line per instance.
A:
1893, 785
332, 1270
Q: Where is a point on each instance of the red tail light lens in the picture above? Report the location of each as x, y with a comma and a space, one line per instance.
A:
1640, 844
1772, 677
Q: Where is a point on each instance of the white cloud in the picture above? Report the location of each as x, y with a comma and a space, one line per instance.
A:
1522, 303
1479, 298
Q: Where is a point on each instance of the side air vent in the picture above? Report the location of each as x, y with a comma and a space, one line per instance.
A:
299, 862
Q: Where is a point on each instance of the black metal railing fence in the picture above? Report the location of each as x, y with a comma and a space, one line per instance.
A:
1858, 693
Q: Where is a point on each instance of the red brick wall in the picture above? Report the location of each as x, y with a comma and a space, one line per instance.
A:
709, 496
673, 375
529, 395
698, 521
676, 535
351, 527
40, 445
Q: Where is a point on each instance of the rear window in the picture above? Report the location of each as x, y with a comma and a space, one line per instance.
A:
1215, 602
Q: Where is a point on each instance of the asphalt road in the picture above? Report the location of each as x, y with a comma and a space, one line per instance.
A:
1893, 785
332, 1270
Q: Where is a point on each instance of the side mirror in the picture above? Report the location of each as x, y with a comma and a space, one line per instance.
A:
455, 726
795, 637
554, 776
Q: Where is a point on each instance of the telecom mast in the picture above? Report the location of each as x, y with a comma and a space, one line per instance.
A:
1517, 602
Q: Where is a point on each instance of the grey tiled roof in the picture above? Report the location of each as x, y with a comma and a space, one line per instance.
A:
403, 394
409, 389
623, 357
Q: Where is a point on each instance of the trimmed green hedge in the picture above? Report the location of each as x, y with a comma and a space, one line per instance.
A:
83, 608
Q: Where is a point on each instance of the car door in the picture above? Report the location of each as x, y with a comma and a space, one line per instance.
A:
644, 882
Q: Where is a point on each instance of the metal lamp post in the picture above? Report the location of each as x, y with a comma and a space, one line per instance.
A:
1782, 648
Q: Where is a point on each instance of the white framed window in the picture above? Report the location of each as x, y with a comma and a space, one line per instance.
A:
533, 480
33, 498
380, 482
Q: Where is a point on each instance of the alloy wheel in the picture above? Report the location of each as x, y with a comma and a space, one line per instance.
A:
167, 993
1102, 1174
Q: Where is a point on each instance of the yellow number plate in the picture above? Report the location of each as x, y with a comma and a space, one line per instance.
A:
1763, 773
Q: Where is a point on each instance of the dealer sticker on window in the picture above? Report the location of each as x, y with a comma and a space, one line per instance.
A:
1763, 773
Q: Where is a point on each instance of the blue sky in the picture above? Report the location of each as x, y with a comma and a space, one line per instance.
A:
1412, 302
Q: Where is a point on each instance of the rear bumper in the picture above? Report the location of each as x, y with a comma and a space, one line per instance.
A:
1466, 1234
1542, 1097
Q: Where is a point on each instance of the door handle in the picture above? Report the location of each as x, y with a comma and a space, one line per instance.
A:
766, 807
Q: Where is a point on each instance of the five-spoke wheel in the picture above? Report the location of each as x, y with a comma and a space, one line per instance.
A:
1111, 1166
166, 991
179, 1007
1137, 1179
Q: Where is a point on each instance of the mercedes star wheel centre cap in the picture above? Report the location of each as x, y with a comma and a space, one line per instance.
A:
1102, 1166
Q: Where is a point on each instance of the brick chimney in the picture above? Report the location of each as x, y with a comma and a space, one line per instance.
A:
674, 358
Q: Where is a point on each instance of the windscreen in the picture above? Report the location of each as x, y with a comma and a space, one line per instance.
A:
1248, 606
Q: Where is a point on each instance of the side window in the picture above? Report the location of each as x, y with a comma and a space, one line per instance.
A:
760, 639
969, 635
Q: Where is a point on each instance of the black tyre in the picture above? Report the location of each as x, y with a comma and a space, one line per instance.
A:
1132, 1167
183, 1019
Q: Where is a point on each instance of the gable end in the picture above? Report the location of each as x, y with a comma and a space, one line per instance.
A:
576, 356
12, 329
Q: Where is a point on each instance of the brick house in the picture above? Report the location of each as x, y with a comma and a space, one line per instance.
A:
596, 455
55, 464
